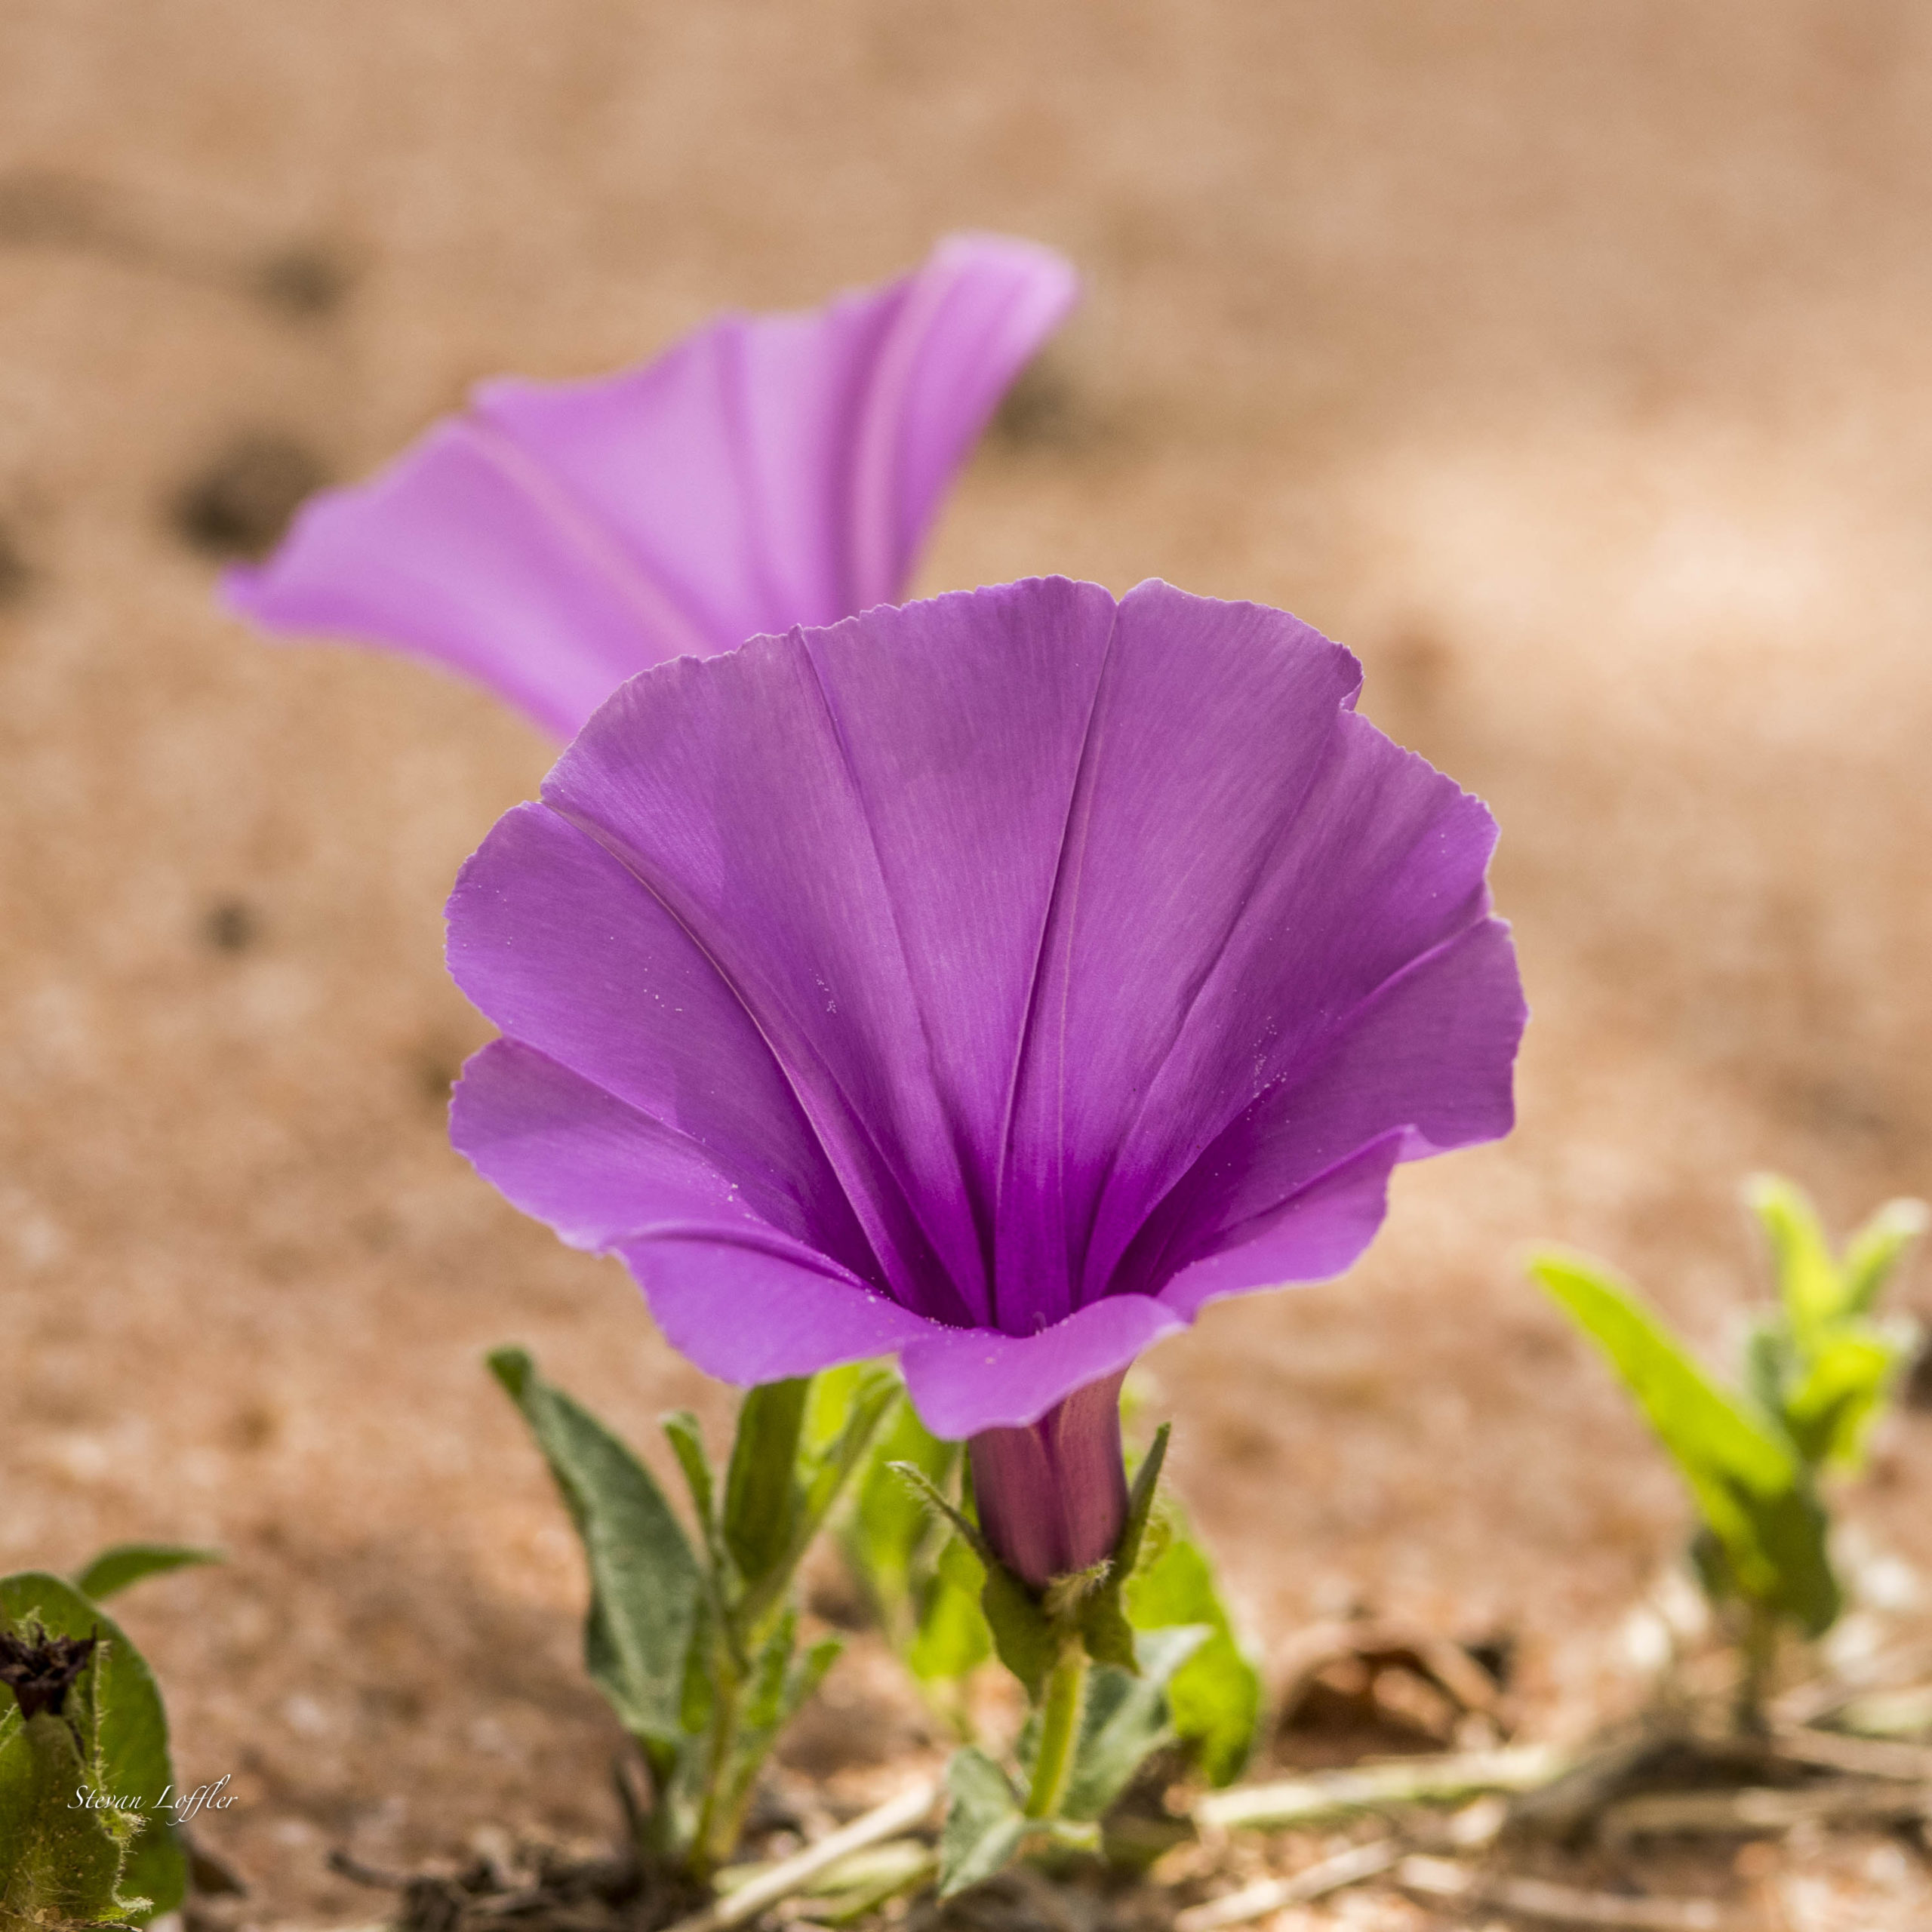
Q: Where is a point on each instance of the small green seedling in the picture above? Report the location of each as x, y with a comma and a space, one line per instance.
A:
1818, 1371
86, 1835
695, 1642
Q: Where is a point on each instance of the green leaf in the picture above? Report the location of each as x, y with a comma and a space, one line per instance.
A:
824, 1472
807, 1674
696, 1689
686, 1440
760, 1484
60, 1864
1876, 1250
985, 1822
1215, 1697
1842, 1387
929, 1492
1104, 1627
1808, 1281
1025, 1637
126, 1563
1126, 1718
765, 1698
1770, 1363
952, 1638
127, 1740
892, 1526
1140, 1503
1746, 1480
828, 1405
1794, 1576
644, 1579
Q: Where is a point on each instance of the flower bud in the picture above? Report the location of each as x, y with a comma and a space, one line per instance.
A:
1052, 1497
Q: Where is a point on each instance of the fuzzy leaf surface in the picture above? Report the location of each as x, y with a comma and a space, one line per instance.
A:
644, 1580
985, 1821
1125, 1719
124, 1728
1215, 1696
952, 1637
60, 1864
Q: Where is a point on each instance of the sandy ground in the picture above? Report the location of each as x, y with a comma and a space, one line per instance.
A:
1571, 364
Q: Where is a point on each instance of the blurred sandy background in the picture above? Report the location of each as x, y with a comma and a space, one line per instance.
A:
1572, 364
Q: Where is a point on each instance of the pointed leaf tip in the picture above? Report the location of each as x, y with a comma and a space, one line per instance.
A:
760, 1481
114, 1569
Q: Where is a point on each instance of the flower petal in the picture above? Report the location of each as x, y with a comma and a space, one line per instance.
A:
862, 829
964, 1380
767, 471
560, 1148
1213, 726
1379, 864
747, 1309
1316, 1232
556, 942
447, 554
1422, 1066
742, 1294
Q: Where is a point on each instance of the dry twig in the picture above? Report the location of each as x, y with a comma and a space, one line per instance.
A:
1762, 1808
1434, 1780
792, 1874
1864, 1756
1256, 1901
1560, 1905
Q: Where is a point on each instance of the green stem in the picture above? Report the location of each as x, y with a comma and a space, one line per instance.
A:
714, 1837
1760, 1648
1060, 1733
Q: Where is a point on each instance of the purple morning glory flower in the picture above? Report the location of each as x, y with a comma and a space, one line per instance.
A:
992, 981
767, 471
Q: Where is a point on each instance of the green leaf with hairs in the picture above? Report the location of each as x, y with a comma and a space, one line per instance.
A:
985, 1822
952, 1637
124, 1729
1026, 1638
1104, 1626
1123, 1721
826, 1471
644, 1584
60, 1864
1215, 1695
893, 1532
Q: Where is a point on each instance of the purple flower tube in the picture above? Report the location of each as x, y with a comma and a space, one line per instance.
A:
1052, 1495
994, 982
